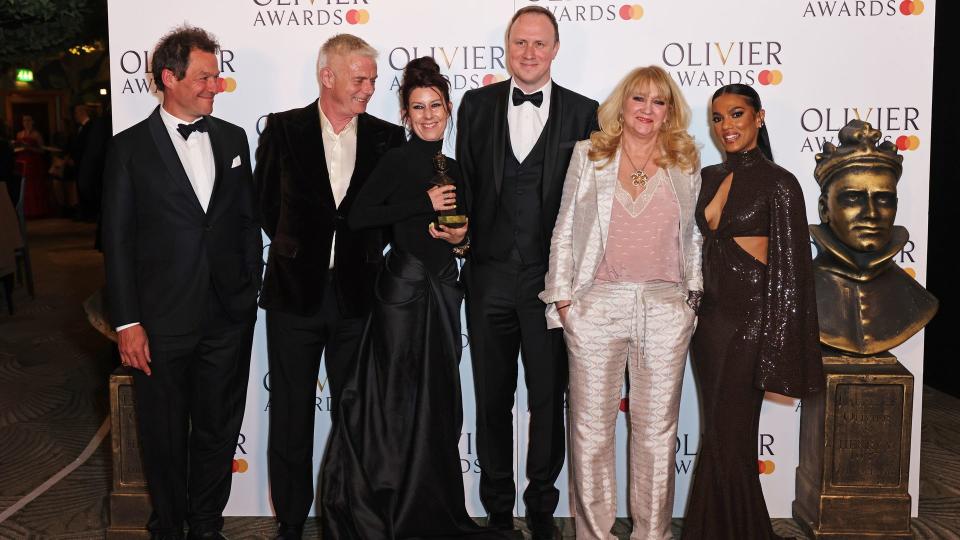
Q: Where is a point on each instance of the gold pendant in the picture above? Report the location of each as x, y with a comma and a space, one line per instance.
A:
639, 178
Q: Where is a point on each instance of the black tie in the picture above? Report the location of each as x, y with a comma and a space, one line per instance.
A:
186, 129
535, 99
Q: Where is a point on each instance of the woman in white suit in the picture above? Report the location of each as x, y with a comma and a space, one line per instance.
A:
624, 283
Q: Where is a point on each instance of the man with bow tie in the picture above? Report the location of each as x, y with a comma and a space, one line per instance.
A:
183, 260
514, 143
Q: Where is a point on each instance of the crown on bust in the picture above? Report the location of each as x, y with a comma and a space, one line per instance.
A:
858, 148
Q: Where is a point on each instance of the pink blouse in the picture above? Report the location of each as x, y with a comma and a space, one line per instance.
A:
643, 241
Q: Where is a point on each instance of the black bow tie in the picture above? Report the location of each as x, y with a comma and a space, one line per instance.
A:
535, 99
186, 129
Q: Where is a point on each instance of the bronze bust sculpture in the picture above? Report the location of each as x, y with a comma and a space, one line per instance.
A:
866, 303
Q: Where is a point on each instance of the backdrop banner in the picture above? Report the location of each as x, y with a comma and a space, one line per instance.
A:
815, 63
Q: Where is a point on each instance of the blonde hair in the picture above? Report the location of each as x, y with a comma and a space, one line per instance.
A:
677, 147
343, 45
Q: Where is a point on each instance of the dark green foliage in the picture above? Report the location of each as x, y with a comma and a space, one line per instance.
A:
31, 30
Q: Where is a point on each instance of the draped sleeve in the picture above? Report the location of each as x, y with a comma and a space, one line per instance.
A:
789, 362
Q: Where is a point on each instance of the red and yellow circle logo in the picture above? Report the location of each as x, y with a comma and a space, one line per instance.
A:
770, 76
240, 465
766, 466
358, 16
631, 12
911, 7
228, 84
908, 142
491, 78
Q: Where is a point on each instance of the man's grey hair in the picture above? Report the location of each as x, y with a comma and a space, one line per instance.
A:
343, 45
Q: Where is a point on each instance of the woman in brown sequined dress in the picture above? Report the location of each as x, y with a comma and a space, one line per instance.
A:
758, 322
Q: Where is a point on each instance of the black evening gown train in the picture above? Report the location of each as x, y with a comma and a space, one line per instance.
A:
757, 331
391, 469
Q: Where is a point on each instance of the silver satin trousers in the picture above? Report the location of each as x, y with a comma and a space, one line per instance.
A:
643, 330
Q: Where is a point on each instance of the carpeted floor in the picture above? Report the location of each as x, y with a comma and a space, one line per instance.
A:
53, 398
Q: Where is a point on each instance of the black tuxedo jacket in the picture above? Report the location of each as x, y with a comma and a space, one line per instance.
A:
300, 214
163, 253
482, 132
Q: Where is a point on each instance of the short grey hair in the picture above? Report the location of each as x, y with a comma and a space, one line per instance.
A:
343, 45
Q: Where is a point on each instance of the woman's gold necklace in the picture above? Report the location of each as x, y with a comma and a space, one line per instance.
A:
638, 177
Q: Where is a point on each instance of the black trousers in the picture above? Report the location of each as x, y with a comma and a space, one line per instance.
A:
504, 318
295, 345
189, 413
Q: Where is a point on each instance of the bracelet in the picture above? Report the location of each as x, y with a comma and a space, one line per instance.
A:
563, 307
461, 250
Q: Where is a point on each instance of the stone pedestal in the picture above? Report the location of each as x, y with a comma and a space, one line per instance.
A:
129, 502
855, 451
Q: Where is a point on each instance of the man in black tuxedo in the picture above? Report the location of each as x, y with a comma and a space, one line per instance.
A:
183, 261
318, 287
514, 143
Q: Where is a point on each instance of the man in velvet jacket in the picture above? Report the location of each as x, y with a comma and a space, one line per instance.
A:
182, 254
514, 142
318, 287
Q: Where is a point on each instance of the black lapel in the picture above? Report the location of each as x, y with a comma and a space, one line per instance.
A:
501, 133
366, 147
553, 129
217, 143
305, 138
161, 138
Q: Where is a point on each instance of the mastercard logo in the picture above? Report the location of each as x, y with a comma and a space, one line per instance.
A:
240, 466
911, 7
624, 404
908, 142
228, 84
910, 272
631, 12
358, 16
491, 78
770, 76
766, 466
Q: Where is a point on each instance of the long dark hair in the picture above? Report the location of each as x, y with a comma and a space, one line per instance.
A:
423, 72
752, 97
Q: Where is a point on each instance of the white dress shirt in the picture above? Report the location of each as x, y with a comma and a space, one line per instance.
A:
526, 120
340, 153
196, 156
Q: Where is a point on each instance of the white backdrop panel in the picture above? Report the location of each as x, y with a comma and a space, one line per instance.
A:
816, 64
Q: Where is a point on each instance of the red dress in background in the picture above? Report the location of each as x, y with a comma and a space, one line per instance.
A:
36, 193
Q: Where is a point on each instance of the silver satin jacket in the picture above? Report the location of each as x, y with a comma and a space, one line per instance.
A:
580, 234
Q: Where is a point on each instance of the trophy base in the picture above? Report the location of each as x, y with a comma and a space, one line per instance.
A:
843, 518
854, 470
454, 222
130, 505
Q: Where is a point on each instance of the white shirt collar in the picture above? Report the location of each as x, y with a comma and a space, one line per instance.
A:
546, 89
327, 126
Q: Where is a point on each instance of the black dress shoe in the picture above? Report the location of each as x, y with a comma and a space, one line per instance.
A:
287, 531
542, 526
501, 521
206, 535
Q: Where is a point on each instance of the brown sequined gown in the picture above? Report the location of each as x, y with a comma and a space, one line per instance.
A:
757, 331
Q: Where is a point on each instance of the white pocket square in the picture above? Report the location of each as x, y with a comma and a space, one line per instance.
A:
236, 162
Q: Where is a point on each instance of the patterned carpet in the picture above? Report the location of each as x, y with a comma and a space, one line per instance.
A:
53, 397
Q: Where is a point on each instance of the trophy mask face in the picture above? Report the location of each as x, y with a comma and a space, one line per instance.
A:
860, 206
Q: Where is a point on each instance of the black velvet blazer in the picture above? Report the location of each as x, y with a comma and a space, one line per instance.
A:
300, 215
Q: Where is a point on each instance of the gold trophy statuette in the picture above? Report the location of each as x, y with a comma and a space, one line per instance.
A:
452, 218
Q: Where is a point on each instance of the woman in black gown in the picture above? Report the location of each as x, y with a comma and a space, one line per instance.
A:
758, 321
391, 469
